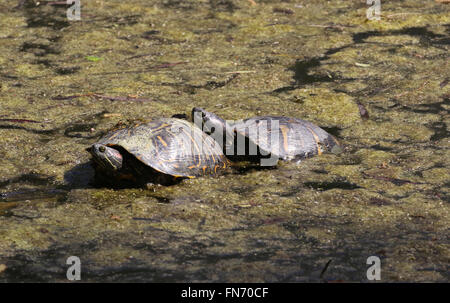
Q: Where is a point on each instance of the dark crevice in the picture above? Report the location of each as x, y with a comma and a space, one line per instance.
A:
429, 108
46, 16
440, 131
181, 4
223, 5
38, 49
192, 89
302, 74
426, 37
335, 131
324, 186
35, 131
382, 148
302, 67
45, 62
31, 178
67, 70
34, 194
68, 128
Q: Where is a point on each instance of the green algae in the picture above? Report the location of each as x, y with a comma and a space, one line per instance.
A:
384, 195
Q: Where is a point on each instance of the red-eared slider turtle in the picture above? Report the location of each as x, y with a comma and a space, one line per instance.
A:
267, 138
157, 152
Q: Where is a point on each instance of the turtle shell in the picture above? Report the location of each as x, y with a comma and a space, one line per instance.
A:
170, 146
284, 137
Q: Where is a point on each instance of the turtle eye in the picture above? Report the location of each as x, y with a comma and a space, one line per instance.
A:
102, 149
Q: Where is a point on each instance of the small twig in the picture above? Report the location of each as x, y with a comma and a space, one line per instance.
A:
325, 268
20, 120
144, 219
100, 96
59, 97
110, 115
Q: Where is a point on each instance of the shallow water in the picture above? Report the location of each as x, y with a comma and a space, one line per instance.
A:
65, 83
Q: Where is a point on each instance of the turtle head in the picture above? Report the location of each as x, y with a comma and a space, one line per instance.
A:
107, 157
208, 122
213, 125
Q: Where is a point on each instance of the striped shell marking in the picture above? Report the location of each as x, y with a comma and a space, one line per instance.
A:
286, 138
171, 146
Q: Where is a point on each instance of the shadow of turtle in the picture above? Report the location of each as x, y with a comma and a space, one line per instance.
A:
85, 175
80, 176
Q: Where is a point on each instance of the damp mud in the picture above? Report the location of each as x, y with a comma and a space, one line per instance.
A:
380, 86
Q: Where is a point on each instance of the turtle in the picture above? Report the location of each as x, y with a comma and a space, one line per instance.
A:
160, 151
267, 138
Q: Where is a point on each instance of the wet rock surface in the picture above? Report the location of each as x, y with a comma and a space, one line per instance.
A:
381, 87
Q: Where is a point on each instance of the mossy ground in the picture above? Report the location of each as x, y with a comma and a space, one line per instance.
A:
385, 195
